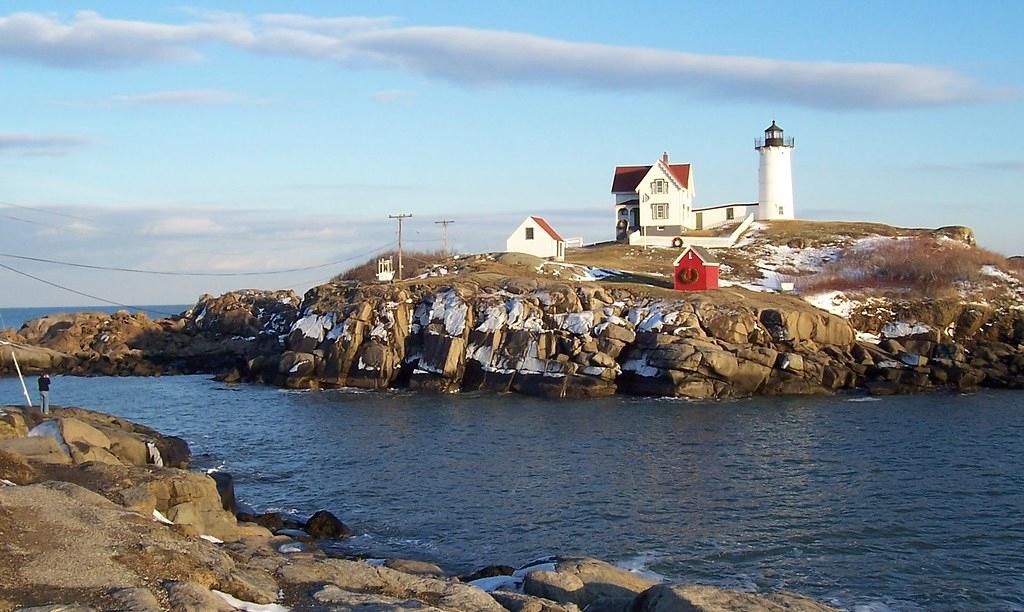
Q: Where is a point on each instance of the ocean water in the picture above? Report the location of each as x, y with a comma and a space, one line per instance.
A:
15, 317
903, 503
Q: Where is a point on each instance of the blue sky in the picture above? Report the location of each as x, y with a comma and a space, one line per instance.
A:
266, 135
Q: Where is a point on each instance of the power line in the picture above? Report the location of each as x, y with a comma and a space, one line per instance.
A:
83, 294
178, 273
42, 210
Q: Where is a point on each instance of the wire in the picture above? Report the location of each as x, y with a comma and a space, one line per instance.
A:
42, 210
113, 303
177, 273
88, 295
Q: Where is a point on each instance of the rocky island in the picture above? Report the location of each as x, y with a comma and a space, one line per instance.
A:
861, 317
99, 513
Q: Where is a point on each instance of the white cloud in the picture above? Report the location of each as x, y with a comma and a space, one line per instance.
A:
186, 226
90, 40
38, 144
468, 55
323, 24
475, 56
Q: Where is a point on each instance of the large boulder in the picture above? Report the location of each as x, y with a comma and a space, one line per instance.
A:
38, 449
324, 525
92, 548
699, 598
357, 577
582, 581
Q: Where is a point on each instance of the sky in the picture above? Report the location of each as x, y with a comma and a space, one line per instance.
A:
273, 139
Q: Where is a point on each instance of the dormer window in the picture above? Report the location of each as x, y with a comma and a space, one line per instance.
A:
659, 186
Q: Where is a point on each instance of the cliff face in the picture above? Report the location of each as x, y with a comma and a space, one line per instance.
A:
560, 340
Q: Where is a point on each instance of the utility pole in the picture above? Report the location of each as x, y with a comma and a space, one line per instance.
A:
400, 218
444, 233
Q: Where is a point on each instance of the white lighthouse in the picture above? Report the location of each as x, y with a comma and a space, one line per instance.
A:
775, 175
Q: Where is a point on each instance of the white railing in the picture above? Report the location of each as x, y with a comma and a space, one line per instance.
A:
710, 242
574, 243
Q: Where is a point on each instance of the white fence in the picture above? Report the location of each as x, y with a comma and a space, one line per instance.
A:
710, 242
574, 243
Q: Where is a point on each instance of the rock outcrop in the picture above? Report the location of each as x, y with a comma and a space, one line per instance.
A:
560, 340
215, 335
548, 338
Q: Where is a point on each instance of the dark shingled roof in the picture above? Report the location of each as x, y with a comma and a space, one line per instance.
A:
628, 177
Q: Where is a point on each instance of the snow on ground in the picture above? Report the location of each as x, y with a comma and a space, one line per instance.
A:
248, 606
835, 302
900, 329
997, 273
314, 325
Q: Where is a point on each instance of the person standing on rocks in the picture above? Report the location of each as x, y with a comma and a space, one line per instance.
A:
44, 392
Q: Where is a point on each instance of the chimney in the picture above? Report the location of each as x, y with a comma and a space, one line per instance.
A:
664, 157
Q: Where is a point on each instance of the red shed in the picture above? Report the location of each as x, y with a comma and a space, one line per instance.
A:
696, 269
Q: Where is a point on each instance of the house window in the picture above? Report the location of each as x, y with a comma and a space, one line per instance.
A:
659, 186
529, 233
659, 211
782, 210
729, 215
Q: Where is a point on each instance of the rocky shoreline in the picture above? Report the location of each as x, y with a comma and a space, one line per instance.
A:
98, 513
556, 339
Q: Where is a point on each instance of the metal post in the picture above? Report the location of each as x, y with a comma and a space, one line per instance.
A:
444, 234
17, 368
400, 218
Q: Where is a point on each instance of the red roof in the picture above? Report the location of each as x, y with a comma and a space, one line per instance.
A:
546, 227
628, 177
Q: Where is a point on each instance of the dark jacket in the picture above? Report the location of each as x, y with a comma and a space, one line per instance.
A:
44, 383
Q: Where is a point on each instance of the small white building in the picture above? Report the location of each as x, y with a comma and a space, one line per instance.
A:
535, 236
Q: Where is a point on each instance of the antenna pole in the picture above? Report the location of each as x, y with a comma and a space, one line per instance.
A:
400, 218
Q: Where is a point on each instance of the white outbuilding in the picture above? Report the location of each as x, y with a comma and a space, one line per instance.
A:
535, 236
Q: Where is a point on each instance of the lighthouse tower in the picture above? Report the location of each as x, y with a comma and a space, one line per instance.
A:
774, 175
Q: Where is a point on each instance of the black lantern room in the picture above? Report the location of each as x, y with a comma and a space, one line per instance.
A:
773, 136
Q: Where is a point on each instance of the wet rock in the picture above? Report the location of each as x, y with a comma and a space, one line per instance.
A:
226, 489
520, 602
488, 572
324, 525
420, 568
698, 598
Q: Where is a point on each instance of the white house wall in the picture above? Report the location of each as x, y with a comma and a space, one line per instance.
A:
542, 245
713, 217
679, 200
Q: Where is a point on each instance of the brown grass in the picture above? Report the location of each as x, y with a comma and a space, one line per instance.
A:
814, 233
414, 262
921, 264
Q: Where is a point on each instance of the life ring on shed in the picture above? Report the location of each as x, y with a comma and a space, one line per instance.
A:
677, 242
687, 276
